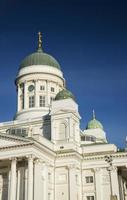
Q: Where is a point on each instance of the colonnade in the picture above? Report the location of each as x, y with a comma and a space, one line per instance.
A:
32, 183
13, 179
36, 92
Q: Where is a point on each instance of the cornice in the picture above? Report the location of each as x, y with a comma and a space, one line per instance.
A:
68, 153
13, 138
16, 146
34, 73
102, 156
15, 124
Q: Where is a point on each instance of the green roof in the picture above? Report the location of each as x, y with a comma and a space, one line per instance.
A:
64, 94
39, 58
93, 124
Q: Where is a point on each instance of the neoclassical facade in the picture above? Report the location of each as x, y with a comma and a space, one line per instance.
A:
43, 152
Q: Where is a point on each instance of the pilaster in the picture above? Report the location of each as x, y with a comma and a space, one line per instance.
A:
38, 179
114, 182
45, 180
97, 172
72, 190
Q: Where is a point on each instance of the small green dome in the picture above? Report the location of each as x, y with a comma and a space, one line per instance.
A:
93, 124
39, 58
64, 94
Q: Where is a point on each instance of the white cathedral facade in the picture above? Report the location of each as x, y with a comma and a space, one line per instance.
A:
44, 155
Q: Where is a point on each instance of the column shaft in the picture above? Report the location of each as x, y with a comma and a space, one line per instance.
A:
25, 96
30, 178
72, 184
13, 180
18, 98
18, 185
36, 94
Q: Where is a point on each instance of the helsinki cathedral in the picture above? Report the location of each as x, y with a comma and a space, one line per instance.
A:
44, 155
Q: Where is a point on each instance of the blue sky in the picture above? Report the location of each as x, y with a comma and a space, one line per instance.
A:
88, 38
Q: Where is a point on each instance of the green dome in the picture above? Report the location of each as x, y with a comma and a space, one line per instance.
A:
93, 124
64, 94
39, 58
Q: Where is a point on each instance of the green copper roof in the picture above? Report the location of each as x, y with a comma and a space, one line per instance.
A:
93, 124
39, 58
64, 94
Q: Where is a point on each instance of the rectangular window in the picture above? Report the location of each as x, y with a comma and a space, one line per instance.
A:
89, 179
51, 99
52, 89
42, 101
42, 87
90, 197
31, 101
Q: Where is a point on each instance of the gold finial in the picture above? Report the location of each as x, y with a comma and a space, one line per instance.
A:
39, 40
94, 116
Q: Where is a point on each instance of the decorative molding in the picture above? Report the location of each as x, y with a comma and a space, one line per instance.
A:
16, 146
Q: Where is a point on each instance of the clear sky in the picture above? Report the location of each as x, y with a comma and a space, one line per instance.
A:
88, 38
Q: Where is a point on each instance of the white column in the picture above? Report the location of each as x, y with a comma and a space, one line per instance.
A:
18, 184
70, 131
25, 95
114, 182
18, 98
9, 184
26, 183
36, 94
13, 180
48, 94
30, 178
98, 184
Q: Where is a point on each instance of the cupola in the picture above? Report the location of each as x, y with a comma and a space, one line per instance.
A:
64, 94
39, 57
94, 123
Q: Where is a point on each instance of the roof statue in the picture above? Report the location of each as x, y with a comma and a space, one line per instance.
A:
39, 40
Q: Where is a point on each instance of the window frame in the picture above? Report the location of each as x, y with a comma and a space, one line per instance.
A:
91, 197
89, 179
42, 88
42, 101
52, 89
31, 101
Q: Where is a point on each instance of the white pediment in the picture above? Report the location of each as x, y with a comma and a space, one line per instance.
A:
7, 141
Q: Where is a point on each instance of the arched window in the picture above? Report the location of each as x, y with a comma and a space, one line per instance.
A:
62, 131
